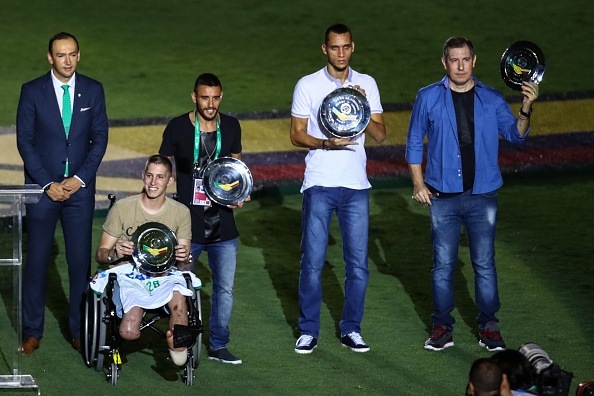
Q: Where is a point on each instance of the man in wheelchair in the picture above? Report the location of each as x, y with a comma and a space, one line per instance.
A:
140, 291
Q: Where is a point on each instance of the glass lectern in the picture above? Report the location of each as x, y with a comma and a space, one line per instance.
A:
12, 205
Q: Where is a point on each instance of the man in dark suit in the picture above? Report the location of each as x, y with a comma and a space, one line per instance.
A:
62, 136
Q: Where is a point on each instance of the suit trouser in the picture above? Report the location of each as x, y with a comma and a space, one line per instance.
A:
76, 217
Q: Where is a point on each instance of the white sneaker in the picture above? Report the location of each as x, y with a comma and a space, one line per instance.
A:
354, 342
305, 344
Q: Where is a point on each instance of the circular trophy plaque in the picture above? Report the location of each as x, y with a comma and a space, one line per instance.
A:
522, 61
227, 181
345, 112
154, 248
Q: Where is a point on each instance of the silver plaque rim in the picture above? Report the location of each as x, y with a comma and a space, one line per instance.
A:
522, 61
142, 257
350, 101
227, 181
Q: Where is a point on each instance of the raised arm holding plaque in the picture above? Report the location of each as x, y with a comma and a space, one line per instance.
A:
522, 61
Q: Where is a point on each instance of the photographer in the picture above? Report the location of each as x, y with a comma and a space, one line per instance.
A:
485, 379
519, 376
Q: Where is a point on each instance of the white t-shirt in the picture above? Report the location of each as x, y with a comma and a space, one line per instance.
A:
337, 167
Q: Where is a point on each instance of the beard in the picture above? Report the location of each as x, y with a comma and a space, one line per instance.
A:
338, 68
206, 116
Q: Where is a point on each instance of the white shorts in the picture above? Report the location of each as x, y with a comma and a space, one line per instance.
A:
148, 292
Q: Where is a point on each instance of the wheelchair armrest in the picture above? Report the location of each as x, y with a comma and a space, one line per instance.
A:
188, 279
110, 285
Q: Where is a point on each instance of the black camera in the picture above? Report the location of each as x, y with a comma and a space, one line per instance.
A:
551, 380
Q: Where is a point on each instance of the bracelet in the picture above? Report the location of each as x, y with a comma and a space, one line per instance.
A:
324, 144
524, 114
109, 258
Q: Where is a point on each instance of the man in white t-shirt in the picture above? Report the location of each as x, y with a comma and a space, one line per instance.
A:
140, 291
335, 181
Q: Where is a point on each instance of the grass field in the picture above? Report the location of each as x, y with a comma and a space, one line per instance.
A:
543, 254
148, 54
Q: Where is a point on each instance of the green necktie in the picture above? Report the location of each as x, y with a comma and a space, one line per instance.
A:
66, 117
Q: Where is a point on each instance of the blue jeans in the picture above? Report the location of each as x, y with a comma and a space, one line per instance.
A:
352, 209
478, 213
222, 258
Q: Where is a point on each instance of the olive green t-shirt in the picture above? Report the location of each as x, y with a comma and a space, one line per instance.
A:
128, 214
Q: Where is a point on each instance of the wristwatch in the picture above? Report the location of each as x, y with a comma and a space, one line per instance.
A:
524, 114
46, 188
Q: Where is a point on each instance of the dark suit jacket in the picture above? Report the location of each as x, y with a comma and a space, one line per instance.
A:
41, 138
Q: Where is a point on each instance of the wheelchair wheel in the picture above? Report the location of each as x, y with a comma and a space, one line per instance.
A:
115, 365
91, 328
194, 320
197, 347
112, 375
102, 348
188, 376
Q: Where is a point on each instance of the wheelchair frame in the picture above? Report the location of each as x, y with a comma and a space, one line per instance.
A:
101, 331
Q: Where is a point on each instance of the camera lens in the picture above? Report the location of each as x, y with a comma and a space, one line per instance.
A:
585, 389
538, 358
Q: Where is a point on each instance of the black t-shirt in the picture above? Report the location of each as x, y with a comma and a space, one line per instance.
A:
209, 224
464, 108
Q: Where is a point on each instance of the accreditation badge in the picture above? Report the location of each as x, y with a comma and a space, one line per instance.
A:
200, 198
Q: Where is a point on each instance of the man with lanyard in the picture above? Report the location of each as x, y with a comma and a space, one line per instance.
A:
462, 119
335, 181
195, 139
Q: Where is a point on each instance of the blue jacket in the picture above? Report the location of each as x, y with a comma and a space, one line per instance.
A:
433, 115
41, 139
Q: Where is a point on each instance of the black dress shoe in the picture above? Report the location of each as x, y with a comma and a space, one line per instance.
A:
76, 345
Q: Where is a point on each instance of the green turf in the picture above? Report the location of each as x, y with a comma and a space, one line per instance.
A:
544, 249
148, 54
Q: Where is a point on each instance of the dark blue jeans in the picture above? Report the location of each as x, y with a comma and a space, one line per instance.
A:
478, 213
352, 209
222, 259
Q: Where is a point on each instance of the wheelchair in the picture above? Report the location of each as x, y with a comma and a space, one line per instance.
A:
101, 331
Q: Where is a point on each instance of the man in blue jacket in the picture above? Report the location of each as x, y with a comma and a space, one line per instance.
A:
62, 136
462, 119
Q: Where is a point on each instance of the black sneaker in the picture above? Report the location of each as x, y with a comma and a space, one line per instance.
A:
354, 342
440, 339
490, 337
223, 355
305, 344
